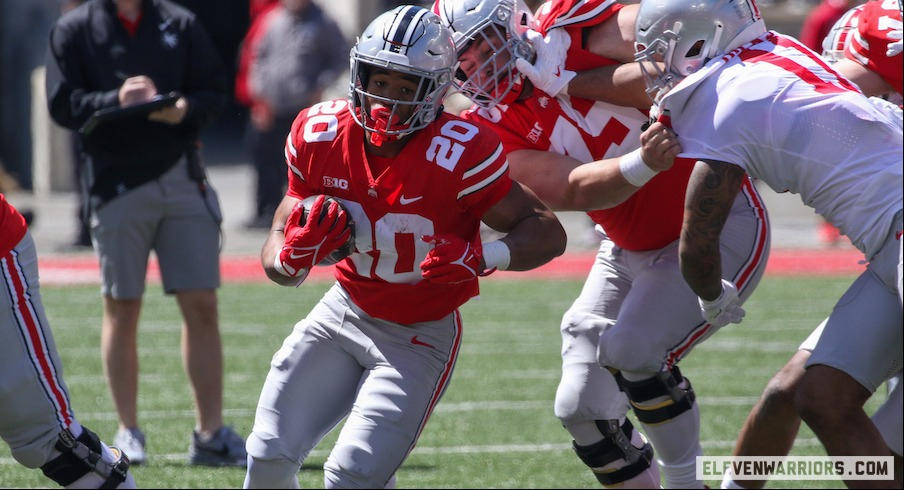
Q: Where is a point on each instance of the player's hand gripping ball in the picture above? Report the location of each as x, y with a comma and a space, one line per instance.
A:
324, 241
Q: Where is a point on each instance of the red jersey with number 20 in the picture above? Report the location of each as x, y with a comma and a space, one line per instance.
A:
590, 130
442, 182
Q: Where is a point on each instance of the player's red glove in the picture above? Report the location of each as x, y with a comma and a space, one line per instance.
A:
308, 241
451, 261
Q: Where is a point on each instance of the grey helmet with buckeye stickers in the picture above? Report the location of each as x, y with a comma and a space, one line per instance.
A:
410, 40
685, 34
502, 25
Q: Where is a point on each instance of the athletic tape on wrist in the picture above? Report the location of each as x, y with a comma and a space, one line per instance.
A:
634, 169
704, 303
570, 76
277, 264
496, 254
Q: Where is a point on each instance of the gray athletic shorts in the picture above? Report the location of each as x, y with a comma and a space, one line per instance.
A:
890, 415
863, 334
170, 216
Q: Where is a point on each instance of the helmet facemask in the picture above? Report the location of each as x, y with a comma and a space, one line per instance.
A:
658, 78
384, 121
495, 33
495, 80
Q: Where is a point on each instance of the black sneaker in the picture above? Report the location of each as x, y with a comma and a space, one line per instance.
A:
223, 448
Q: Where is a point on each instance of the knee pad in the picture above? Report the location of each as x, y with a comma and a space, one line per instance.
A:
664, 384
84, 455
615, 445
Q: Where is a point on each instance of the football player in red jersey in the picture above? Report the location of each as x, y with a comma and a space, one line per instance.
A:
772, 424
36, 416
380, 346
558, 131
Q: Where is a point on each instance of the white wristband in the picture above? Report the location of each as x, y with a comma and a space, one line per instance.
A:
278, 265
496, 254
634, 169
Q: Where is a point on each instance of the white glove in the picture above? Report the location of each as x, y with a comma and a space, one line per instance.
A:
548, 72
896, 47
725, 309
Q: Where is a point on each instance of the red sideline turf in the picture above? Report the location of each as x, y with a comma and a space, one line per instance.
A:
82, 269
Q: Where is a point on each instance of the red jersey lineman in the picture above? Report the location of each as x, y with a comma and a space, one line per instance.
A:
560, 146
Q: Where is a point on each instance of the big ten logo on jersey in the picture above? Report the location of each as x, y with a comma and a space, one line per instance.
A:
335, 182
534, 135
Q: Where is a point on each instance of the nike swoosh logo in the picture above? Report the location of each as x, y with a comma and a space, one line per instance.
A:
415, 341
408, 200
293, 256
898, 235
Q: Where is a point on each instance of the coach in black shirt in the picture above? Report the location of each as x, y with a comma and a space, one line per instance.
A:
147, 191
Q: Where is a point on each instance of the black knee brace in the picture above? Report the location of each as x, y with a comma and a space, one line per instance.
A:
82, 456
663, 384
616, 445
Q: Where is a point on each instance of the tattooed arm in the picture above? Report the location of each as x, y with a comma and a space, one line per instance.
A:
711, 191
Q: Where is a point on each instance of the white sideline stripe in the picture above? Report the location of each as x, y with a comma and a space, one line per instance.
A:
514, 448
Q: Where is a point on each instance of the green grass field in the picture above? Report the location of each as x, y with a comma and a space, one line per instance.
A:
495, 427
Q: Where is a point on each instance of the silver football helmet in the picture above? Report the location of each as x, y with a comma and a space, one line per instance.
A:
685, 34
502, 25
840, 35
410, 40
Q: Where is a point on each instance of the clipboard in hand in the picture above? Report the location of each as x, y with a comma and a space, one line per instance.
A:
104, 116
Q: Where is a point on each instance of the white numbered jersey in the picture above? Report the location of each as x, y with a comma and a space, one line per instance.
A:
775, 108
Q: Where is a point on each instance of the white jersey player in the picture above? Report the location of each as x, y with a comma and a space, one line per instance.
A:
36, 416
557, 145
381, 345
741, 98
772, 425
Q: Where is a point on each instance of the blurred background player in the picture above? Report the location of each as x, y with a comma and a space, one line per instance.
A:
37, 421
416, 183
820, 19
724, 69
560, 145
298, 52
773, 423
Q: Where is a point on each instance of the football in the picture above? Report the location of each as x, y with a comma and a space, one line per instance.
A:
349, 246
